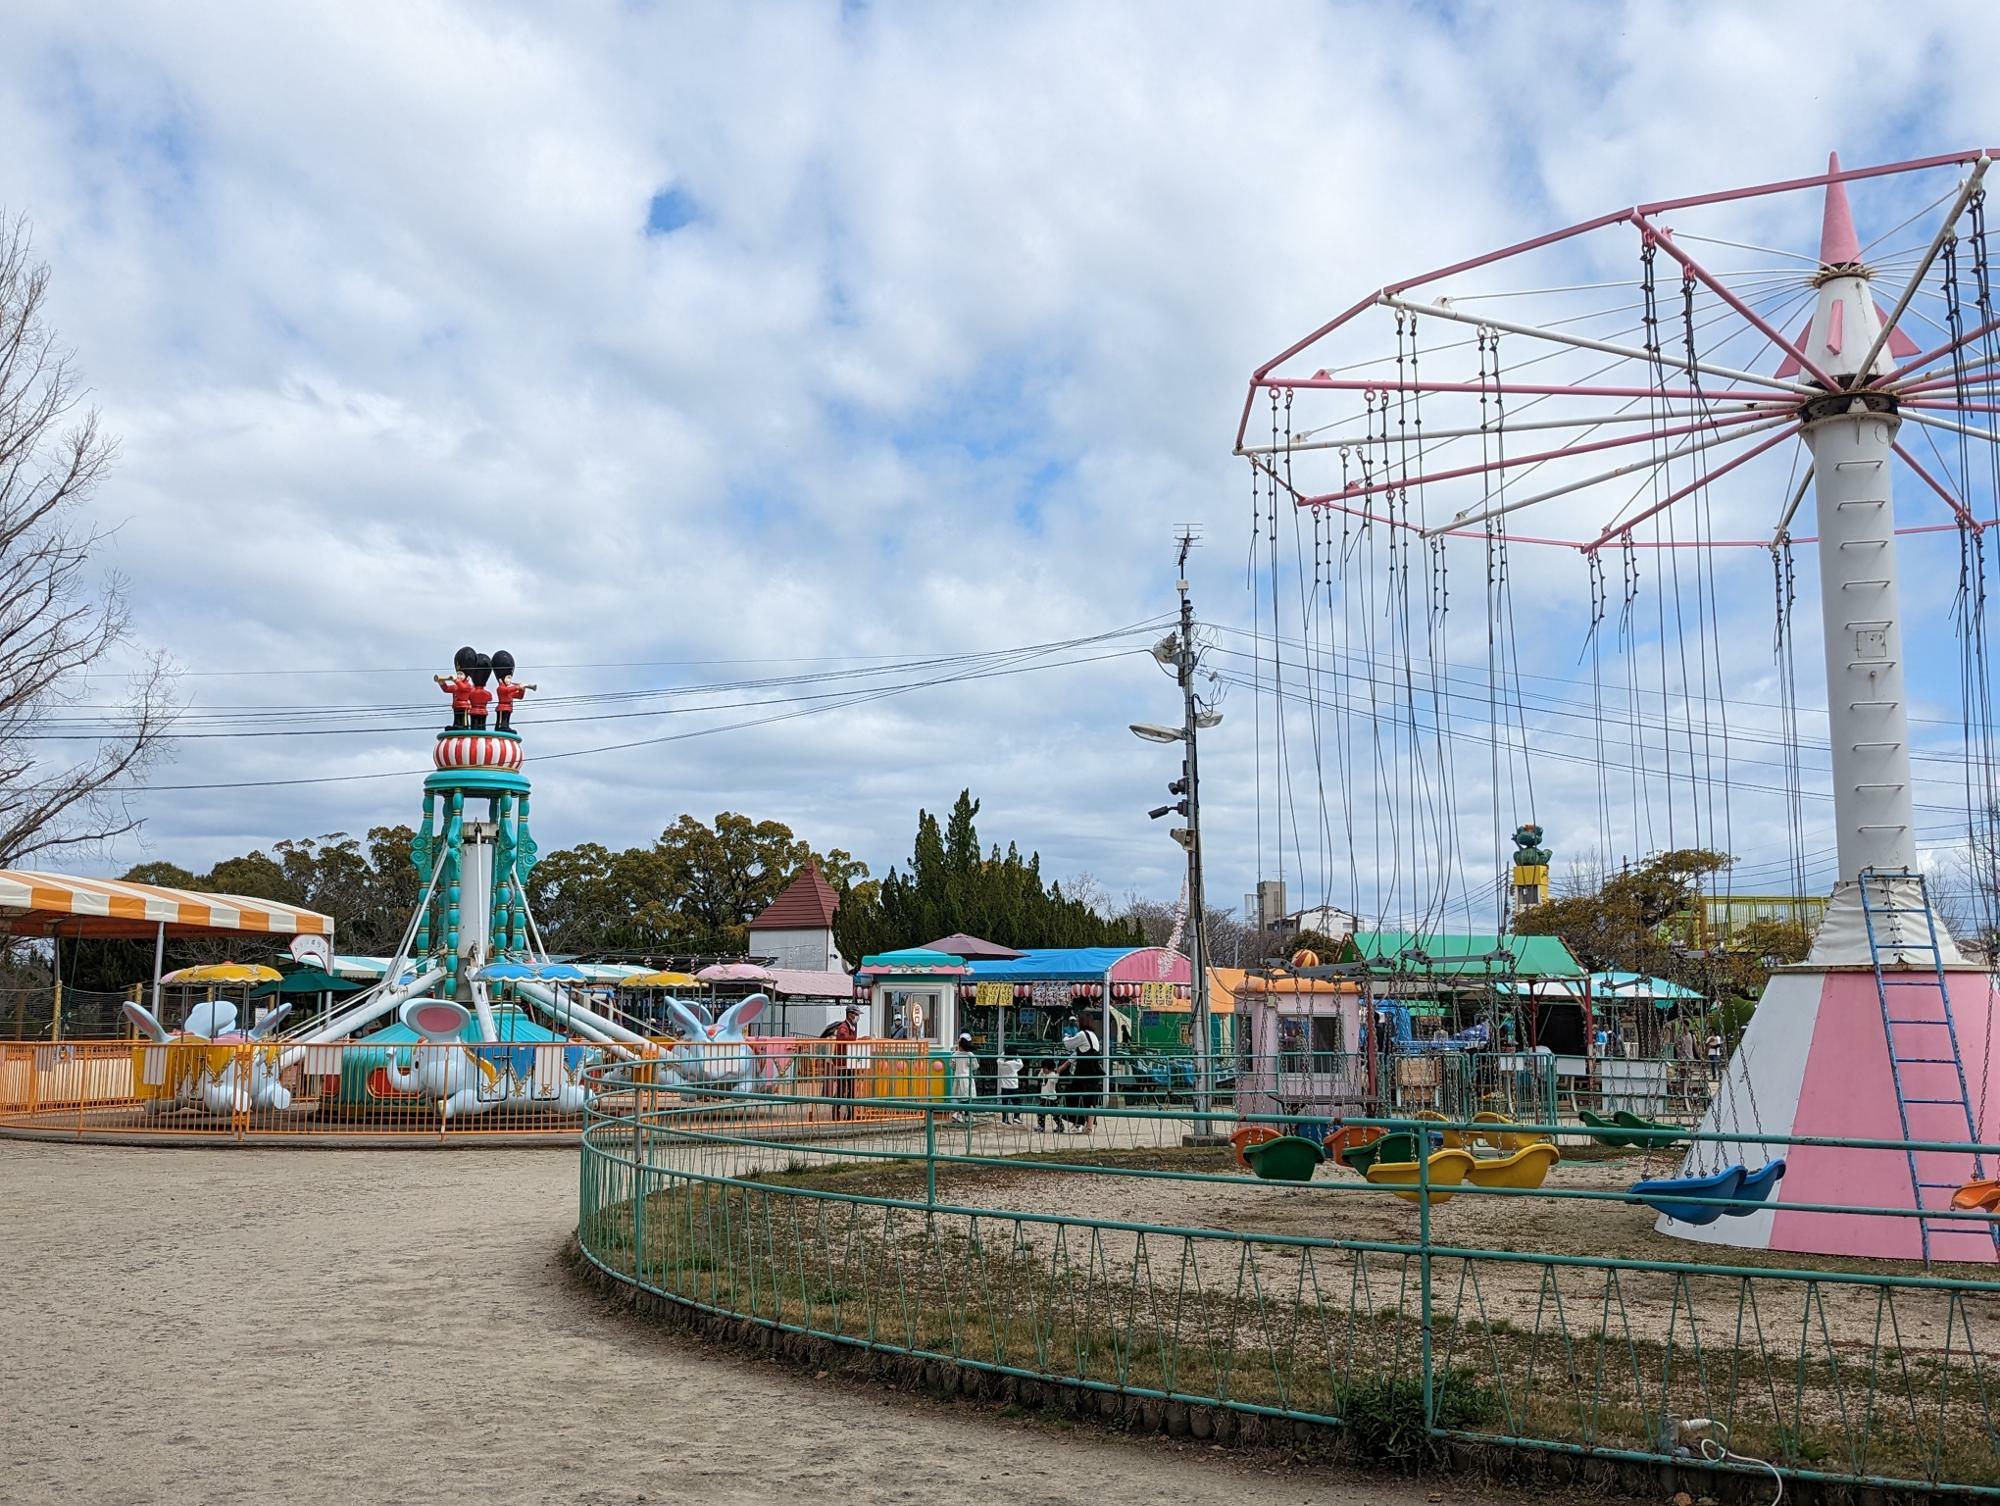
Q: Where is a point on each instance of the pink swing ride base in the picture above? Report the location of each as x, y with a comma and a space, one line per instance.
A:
1814, 1062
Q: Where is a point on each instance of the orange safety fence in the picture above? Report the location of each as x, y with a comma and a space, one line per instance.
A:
242, 1089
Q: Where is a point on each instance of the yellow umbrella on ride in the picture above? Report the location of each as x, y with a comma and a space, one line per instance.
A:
224, 972
661, 980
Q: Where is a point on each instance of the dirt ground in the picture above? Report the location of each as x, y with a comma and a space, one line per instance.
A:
216, 1326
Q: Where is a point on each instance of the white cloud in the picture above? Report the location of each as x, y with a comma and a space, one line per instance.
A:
960, 330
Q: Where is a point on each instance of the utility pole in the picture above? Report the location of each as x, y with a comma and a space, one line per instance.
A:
1178, 652
1204, 1074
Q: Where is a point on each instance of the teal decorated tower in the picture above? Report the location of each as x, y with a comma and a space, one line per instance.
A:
473, 846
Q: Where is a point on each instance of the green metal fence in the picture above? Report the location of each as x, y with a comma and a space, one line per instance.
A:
1130, 1253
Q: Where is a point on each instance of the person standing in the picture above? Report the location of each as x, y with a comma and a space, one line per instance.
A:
845, 1033
1684, 1057
964, 1070
1007, 1086
1715, 1055
1083, 1074
1385, 1034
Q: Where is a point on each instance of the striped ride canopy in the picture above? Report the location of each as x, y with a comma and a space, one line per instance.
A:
46, 904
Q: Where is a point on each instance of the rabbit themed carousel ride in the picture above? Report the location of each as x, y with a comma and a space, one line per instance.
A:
471, 1015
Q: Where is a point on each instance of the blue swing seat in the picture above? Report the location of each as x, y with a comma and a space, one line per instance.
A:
1757, 1184
1731, 1182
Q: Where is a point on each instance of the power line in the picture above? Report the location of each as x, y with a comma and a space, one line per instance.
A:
1004, 664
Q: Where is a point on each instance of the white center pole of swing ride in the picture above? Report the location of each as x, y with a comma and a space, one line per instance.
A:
1867, 712
1868, 721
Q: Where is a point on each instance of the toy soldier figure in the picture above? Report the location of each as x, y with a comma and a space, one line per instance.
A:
480, 671
507, 690
458, 685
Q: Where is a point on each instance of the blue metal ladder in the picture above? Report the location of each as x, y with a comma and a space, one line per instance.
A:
1916, 1019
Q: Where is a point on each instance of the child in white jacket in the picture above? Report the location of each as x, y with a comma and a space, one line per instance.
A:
1009, 1088
1045, 1109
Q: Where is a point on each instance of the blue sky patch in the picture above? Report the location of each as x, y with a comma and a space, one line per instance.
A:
671, 209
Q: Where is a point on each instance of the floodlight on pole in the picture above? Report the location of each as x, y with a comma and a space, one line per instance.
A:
1156, 734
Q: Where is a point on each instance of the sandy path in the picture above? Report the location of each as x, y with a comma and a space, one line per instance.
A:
349, 1327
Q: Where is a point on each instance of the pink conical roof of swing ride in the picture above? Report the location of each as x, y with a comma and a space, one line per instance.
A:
1839, 246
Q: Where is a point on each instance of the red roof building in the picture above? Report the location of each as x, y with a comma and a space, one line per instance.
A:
796, 928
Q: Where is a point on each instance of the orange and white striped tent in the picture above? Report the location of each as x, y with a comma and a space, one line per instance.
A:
57, 904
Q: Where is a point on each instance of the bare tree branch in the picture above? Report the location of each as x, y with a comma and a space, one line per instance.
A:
58, 626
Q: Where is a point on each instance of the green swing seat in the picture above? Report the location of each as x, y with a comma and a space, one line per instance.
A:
1287, 1158
1400, 1145
1654, 1132
1623, 1130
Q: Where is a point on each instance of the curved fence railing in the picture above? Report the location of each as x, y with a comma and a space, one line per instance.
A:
242, 1090
1128, 1251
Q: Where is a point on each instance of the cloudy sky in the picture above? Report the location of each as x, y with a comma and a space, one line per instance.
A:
727, 364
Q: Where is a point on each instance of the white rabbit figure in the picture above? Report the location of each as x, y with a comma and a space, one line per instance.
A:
717, 1057
220, 1084
443, 1068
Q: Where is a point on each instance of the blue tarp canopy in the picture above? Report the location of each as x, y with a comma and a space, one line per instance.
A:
1081, 964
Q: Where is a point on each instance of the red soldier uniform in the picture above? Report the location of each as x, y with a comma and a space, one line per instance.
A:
477, 698
460, 689
506, 693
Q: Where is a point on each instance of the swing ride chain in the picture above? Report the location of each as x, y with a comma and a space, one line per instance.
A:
1649, 296
1687, 343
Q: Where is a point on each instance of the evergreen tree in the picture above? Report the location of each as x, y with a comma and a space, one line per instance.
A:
949, 886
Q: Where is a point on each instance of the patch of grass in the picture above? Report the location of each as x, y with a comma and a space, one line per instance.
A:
1385, 1418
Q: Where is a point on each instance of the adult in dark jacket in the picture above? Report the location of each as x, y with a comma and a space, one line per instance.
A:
1083, 1074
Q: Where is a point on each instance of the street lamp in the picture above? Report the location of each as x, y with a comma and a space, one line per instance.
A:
1155, 734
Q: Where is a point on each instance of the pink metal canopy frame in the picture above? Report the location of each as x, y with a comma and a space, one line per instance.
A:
1622, 375
1604, 412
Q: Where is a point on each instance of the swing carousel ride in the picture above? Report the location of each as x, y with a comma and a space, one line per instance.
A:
471, 1015
1658, 390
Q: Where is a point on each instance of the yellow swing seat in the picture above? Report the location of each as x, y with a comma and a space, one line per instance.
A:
1527, 1167
1448, 1169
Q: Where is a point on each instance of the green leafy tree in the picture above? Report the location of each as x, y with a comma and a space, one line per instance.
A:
693, 891
166, 875
721, 876
1627, 923
588, 898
